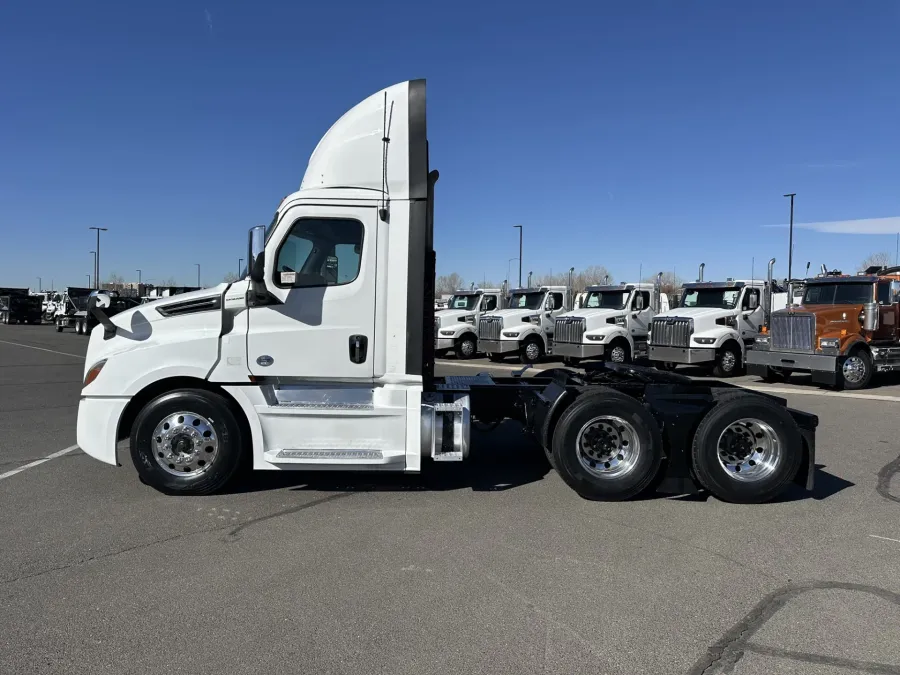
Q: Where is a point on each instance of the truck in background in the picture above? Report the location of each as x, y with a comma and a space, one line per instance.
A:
844, 330
715, 323
71, 311
612, 324
17, 305
525, 327
289, 369
456, 327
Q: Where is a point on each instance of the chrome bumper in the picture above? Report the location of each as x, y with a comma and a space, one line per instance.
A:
763, 359
575, 350
443, 344
498, 346
682, 354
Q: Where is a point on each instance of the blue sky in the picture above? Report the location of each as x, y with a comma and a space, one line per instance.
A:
628, 134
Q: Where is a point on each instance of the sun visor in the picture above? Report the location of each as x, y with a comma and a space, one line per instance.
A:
379, 143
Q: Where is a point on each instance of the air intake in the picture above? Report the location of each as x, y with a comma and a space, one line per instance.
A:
191, 306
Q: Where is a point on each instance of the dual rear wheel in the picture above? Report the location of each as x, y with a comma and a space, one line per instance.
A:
607, 446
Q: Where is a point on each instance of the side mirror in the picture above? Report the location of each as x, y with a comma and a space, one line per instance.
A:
639, 302
752, 302
256, 254
550, 304
100, 300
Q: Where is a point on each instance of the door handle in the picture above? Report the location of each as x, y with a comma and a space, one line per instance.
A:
358, 348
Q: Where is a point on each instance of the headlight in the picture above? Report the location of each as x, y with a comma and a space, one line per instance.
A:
594, 338
447, 332
705, 341
510, 333
94, 372
829, 343
762, 340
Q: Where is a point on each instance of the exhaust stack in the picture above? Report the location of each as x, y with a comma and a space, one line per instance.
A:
657, 297
529, 279
769, 290
606, 280
807, 270
824, 270
570, 294
702, 265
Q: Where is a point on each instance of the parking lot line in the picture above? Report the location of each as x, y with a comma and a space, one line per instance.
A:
43, 349
875, 536
38, 462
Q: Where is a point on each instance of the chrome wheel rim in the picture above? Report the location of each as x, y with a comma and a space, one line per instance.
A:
467, 347
532, 351
608, 447
728, 361
749, 450
185, 444
854, 369
617, 355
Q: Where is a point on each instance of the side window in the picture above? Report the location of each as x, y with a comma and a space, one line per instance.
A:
645, 295
557, 300
319, 252
884, 293
488, 303
751, 299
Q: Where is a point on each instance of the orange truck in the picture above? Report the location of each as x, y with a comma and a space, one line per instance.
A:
844, 330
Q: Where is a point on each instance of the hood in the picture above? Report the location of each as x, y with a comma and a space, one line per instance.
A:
697, 313
509, 316
175, 305
450, 316
830, 319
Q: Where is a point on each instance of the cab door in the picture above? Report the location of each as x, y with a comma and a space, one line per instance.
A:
751, 317
641, 314
319, 322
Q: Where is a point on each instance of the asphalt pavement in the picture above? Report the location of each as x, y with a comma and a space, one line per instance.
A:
493, 566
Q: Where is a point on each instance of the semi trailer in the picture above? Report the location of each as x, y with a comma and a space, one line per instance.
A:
18, 306
293, 368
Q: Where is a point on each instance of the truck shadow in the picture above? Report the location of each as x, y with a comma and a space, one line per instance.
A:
825, 485
508, 459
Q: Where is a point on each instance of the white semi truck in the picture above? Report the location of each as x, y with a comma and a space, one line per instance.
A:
714, 324
323, 358
612, 323
456, 327
525, 327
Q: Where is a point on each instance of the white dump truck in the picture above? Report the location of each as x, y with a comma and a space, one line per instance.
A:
612, 323
323, 358
525, 327
456, 327
714, 325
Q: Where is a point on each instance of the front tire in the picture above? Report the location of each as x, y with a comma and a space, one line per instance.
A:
186, 442
531, 351
619, 352
747, 449
728, 362
607, 446
466, 347
856, 370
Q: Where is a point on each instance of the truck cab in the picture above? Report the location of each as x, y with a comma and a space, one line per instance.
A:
713, 325
456, 327
612, 324
843, 330
525, 327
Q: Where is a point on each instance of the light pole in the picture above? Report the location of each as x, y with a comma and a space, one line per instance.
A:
139, 278
97, 259
520, 254
791, 235
198, 274
240, 262
89, 280
507, 266
40, 286
94, 253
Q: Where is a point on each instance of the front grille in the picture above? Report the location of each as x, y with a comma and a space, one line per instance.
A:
672, 332
569, 329
794, 332
489, 328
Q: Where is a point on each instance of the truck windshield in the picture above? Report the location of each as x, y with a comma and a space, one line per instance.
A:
526, 300
722, 298
606, 300
465, 302
838, 294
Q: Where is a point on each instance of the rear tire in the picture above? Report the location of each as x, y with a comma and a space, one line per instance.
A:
747, 449
728, 361
607, 446
197, 431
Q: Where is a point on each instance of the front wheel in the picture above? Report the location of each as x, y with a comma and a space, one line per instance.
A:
186, 442
747, 449
619, 352
856, 369
531, 351
728, 362
466, 347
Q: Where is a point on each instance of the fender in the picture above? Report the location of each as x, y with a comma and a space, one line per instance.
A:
610, 333
853, 341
